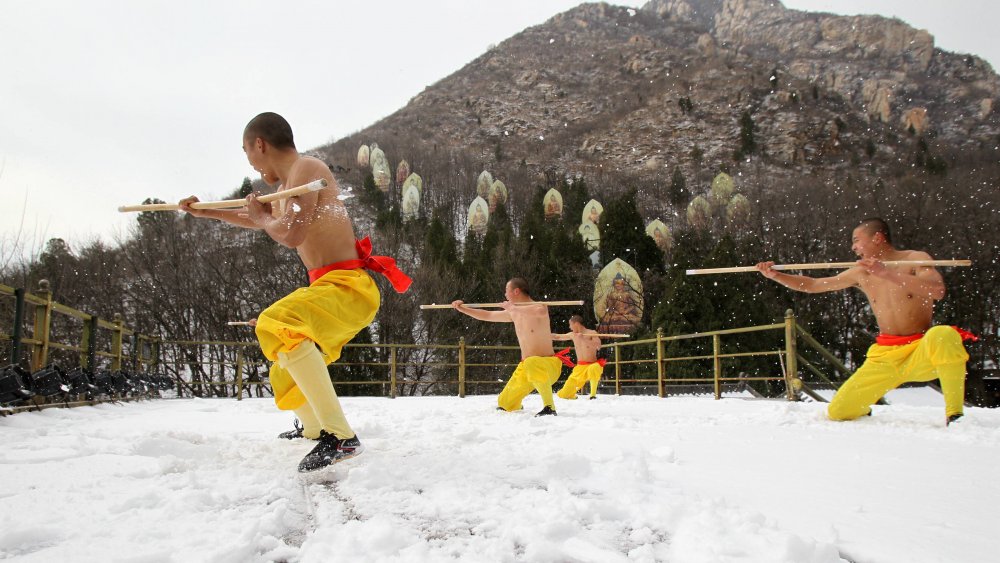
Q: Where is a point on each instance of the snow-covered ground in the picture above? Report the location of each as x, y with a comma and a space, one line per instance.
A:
448, 479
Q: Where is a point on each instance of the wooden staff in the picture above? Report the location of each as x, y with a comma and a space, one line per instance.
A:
238, 323
497, 305
313, 186
830, 266
603, 335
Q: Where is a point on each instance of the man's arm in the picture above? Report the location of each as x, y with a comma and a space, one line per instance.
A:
927, 281
567, 336
482, 315
806, 284
232, 216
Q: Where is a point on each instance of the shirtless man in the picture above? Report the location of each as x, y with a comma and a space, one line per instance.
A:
539, 367
588, 367
306, 330
908, 348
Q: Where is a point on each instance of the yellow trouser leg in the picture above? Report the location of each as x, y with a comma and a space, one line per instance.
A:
594, 375
306, 366
542, 373
574, 383
518, 387
310, 424
941, 355
938, 355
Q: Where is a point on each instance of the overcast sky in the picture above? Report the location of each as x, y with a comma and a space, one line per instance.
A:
104, 103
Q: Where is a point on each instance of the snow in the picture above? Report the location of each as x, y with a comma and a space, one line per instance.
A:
630, 478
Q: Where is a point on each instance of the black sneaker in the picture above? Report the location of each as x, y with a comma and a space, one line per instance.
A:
330, 450
547, 411
292, 434
593, 397
953, 418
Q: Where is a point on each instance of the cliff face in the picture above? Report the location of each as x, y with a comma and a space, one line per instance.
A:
640, 91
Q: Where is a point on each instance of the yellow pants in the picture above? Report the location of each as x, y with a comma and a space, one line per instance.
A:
535, 373
580, 376
938, 355
329, 312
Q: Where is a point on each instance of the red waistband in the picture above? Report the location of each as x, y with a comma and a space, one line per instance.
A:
563, 356
381, 264
601, 361
894, 340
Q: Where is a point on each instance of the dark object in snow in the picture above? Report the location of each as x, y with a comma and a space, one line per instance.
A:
953, 418
120, 383
547, 411
330, 450
80, 382
104, 382
48, 382
12, 387
292, 434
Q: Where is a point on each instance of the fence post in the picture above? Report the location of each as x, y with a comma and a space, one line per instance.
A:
43, 322
392, 372
17, 334
461, 367
90, 334
135, 352
239, 373
659, 362
618, 371
791, 355
717, 361
116, 343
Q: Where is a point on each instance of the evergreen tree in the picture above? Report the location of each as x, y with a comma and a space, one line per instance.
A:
748, 144
623, 235
678, 195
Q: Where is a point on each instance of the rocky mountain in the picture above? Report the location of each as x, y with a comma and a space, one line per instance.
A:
632, 94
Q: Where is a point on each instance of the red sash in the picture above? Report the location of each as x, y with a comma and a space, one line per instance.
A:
381, 264
894, 340
602, 362
563, 356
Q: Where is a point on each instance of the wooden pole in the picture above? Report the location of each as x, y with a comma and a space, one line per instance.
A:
498, 305
829, 266
313, 186
238, 323
791, 355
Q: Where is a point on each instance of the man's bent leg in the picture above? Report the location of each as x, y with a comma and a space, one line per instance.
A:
863, 389
306, 365
542, 373
941, 355
594, 376
518, 387
574, 383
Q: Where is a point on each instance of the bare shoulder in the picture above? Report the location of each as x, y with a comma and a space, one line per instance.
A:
915, 255
307, 169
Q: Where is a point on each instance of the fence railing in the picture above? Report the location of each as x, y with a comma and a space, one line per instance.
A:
98, 338
401, 369
231, 368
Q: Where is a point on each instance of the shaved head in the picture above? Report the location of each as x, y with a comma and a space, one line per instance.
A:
874, 225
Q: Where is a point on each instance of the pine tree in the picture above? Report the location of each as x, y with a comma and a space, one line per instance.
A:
678, 195
623, 235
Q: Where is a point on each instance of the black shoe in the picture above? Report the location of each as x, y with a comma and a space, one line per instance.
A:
953, 418
292, 434
547, 411
592, 397
330, 450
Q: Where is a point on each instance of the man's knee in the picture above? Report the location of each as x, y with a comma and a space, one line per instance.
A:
843, 410
943, 335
